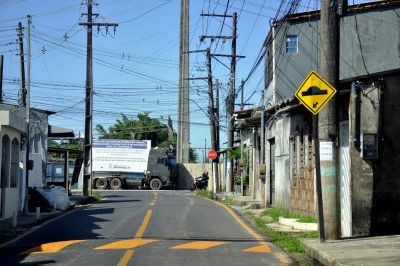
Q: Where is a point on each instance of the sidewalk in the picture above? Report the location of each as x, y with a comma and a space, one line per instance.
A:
25, 222
382, 250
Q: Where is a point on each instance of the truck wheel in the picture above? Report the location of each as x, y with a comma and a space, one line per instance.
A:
155, 184
115, 183
101, 183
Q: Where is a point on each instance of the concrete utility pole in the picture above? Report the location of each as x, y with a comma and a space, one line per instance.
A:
1, 77
211, 114
28, 106
182, 149
231, 101
22, 66
217, 116
87, 184
327, 127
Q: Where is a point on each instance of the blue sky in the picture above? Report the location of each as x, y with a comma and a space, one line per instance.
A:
135, 70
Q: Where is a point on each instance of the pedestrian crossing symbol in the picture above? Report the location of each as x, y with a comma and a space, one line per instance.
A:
315, 92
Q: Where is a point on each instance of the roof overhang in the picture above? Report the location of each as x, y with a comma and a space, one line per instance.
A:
60, 133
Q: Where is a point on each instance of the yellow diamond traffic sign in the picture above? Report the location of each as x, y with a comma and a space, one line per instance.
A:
315, 92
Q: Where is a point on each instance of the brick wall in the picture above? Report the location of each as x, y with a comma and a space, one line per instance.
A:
302, 200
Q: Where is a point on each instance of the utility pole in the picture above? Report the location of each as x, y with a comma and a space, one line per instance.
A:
327, 124
1, 77
213, 125
230, 102
217, 116
22, 65
87, 184
241, 95
182, 149
28, 106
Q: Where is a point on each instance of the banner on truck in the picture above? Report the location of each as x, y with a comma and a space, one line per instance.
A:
129, 156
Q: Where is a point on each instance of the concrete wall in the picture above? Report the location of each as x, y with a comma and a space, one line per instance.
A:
189, 171
279, 129
376, 31
386, 198
9, 195
38, 131
364, 119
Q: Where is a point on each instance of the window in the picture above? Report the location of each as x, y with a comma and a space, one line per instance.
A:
5, 161
14, 163
291, 44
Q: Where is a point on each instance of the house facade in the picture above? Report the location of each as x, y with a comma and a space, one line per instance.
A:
13, 146
367, 189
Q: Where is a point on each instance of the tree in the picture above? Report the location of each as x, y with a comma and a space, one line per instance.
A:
142, 128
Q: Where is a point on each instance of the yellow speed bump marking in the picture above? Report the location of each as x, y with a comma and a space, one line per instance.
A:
259, 249
199, 245
127, 244
125, 259
51, 247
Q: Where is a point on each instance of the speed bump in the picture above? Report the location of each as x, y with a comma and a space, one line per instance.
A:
50, 247
199, 245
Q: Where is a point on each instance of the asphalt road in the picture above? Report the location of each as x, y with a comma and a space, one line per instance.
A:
145, 228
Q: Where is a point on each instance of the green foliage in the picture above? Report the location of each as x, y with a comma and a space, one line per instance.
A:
275, 213
245, 180
205, 193
234, 153
96, 196
228, 200
192, 156
142, 128
73, 144
289, 242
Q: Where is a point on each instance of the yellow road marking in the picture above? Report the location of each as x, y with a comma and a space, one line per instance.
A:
259, 249
244, 226
125, 259
127, 244
51, 247
199, 245
144, 224
282, 258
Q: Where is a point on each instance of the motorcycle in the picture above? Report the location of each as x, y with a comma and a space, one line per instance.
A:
200, 182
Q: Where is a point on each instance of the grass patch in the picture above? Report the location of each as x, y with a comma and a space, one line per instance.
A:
205, 193
289, 242
96, 196
275, 213
228, 201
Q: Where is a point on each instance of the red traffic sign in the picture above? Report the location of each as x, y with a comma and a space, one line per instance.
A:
212, 155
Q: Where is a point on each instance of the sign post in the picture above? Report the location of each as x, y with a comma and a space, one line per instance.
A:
314, 93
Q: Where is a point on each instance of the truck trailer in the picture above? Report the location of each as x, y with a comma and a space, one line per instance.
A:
132, 163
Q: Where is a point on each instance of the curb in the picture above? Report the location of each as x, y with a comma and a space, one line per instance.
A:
34, 229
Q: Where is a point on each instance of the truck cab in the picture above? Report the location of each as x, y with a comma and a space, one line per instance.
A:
161, 169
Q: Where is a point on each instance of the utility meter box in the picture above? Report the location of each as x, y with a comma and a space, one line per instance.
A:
369, 146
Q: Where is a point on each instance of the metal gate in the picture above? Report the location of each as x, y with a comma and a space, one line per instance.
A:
345, 186
272, 172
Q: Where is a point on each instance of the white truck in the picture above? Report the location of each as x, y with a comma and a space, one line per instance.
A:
132, 163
